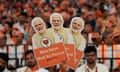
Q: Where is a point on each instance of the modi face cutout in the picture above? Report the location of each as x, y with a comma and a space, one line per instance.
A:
77, 24
56, 20
38, 24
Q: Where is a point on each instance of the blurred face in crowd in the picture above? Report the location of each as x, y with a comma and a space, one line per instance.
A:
57, 9
113, 19
18, 37
2, 64
116, 39
56, 22
105, 14
96, 40
6, 27
109, 29
88, 28
55, 3
46, 16
30, 60
108, 39
14, 31
21, 18
80, 2
76, 25
91, 57
64, 4
26, 25
2, 39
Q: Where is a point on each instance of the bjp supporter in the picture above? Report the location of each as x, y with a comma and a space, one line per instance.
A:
31, 64
11, 40
19, 38
2, 43
88, 29
91, 64
109, 49
3, 62
96, 39
17, 50
4, 48
109, 27
116, 35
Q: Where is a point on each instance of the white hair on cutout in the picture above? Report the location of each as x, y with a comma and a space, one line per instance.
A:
80, 19
56, 14
37, 19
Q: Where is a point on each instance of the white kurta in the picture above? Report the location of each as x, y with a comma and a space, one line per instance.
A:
23, 69
98, 68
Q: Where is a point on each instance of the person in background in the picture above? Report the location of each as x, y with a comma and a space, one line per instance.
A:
31, 64
3, 62
91, 65
116, 70
3, 48
96, 38
88, 29
28, 45
17, 50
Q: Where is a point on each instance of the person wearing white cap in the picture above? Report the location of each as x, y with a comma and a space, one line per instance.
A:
60, 33
42, 37
76, 26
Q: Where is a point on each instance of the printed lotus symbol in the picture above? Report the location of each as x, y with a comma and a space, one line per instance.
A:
45, 41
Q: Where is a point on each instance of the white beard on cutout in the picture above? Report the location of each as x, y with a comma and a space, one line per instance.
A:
40, 31
74, 30
56, 27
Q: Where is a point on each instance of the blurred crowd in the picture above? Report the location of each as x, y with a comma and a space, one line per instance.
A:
102, 21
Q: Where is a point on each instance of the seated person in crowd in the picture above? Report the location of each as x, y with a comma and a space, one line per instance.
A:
3, 62
91, 65
31, 63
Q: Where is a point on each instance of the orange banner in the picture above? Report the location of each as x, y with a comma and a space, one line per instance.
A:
78, 56
50, 56
70, 52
